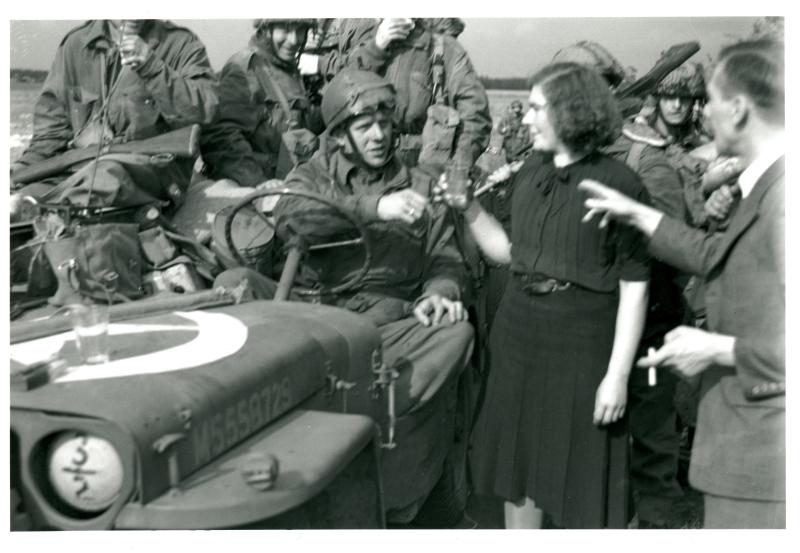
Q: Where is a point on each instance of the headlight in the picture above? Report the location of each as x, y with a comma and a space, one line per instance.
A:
85, 471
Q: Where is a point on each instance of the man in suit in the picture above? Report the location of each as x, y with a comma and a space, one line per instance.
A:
739, 456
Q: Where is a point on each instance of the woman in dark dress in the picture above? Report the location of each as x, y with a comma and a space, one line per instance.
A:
551, 437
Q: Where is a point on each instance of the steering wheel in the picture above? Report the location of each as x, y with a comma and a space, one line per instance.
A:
294, 255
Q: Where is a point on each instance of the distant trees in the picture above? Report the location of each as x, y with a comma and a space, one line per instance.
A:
768, 27
28, 75
505, 83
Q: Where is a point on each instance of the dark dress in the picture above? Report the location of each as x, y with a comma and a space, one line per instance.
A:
535, 435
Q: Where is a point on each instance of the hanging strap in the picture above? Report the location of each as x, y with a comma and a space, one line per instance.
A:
267, 82
437, 70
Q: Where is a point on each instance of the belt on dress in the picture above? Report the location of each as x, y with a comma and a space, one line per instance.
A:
538, 284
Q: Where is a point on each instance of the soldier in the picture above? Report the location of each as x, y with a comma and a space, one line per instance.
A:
262, 104
412, 291
427, 69
117, 81
651, 411
673, 124
516, 136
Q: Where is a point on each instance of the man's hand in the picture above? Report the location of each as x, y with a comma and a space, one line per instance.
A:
431, 309
392, 29
405, 205
611, 204
722, 170
134, 51
688, 351
719, 204
610, 399
308, 64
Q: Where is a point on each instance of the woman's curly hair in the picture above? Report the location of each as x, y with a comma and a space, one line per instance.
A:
581, 108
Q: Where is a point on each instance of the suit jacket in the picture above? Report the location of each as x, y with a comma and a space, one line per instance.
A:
739, 449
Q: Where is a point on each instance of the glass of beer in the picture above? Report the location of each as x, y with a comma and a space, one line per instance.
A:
90, 323
456, 192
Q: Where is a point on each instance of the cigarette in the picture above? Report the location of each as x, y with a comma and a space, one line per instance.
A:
651, 371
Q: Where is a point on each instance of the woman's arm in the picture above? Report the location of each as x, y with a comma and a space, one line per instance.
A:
611, 397
488, 233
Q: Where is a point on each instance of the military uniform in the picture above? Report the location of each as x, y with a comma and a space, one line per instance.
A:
407, 66
516, 138
175, 87
651, 410
244, 141
408, 262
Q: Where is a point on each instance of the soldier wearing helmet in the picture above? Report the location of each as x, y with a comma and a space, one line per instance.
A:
596, 56
427, 68
516, 137
679, 96
264, 119
412, 291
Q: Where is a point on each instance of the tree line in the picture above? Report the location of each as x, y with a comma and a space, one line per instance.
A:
28, 75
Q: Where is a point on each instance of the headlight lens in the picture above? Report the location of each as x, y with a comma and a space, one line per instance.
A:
85, 471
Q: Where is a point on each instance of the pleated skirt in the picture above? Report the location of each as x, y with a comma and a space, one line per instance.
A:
534, 436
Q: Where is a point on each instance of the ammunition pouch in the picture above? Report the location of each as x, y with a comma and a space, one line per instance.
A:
297, 146
439, 135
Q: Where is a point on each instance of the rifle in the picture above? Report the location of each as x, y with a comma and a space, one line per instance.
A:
666, 64
182, 143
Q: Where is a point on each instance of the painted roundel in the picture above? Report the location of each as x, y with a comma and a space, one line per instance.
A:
168, 343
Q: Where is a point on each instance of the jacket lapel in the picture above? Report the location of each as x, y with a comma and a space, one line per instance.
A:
747, 212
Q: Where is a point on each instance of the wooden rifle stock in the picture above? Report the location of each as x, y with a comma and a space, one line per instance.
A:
182, 143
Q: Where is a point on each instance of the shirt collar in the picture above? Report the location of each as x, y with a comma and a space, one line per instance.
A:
759, 166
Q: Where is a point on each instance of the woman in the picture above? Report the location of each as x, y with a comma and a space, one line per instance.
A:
551, 437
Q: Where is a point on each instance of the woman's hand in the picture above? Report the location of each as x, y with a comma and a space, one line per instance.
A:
611, 399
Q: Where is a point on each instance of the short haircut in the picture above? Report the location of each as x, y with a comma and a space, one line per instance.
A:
580, 106
755, 68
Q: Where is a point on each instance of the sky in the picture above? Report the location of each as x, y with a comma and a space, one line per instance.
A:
498, 47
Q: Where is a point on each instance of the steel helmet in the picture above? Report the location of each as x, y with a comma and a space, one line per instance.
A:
353, 92
686, 81
261, 24
593, 55
452, 26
